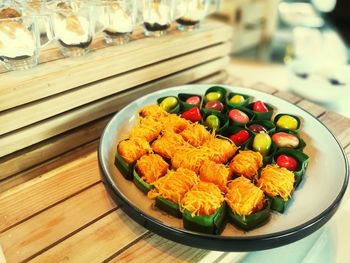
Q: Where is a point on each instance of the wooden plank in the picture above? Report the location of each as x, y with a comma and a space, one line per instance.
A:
339, 125
216, 78
48, 165
36, 195
154, 248
288, 96
312, 108
53, 126
264, 88
45, 229
58, 145
347, 152
48, 78
34, 112
97, 242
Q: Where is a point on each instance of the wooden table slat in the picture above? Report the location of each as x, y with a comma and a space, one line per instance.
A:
339, 125
288, 96
312, 108
45, 167
55, 147
55, 223
97, 242
154, 248
36, 195
264, 88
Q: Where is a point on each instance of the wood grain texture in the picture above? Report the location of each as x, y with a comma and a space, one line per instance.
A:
216, 78
347, 152
264, 88
311, 107
96, 242
48, 165
339, 125
74, 118
51, 78
154, 248
288, 96
55, 223
36, 195
46, 150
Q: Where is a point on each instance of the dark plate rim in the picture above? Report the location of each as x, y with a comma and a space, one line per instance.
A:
217, 242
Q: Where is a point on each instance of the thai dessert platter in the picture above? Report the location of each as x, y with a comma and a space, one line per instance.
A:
214, 158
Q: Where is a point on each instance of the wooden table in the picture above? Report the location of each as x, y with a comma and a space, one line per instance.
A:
65, 213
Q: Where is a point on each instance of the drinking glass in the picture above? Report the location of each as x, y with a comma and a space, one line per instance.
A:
20, 42
157, 16
117, 18
189, 13
73, 26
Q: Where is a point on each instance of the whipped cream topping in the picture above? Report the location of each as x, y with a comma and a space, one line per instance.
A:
158, 13
72, 30
119, 20
16, 40
192, 10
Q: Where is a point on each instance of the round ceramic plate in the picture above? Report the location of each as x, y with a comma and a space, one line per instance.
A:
312, 204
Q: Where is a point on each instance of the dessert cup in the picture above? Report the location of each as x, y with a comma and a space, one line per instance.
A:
73, 25
157, 16
19, 42
189, 13
117, 18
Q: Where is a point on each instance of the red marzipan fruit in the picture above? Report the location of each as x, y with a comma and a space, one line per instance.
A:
260, 106
240, 137
193, 114
287, 161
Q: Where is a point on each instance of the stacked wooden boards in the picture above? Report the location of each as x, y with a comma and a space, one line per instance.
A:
66, 102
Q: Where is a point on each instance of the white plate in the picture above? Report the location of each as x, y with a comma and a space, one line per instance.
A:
312, 204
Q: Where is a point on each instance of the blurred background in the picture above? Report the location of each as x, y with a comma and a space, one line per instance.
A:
300, 46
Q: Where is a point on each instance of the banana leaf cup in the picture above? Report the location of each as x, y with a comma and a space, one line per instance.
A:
261, 115
216, 89
300, 157
211, 224
278, 203
232, 105
140, 183
170, 108
168, 206
252, 221
268, 125
223, 122
279, 128
125, 168
186, 106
